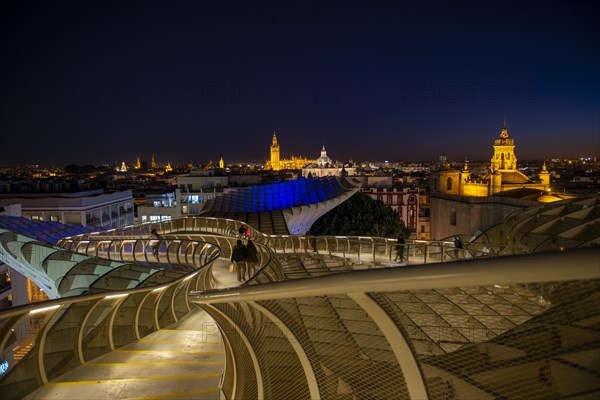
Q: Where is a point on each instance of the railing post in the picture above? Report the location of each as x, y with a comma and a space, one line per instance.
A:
373, 248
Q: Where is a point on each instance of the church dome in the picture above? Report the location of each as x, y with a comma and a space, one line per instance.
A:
324, 159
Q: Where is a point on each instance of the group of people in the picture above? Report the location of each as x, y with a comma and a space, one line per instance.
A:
244, 259
244, 232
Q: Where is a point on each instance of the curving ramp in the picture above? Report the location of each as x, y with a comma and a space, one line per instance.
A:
340, 320
63, 273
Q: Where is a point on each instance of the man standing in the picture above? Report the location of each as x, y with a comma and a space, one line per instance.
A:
458, 245
400, 248
238, 257
252, 259
156, 244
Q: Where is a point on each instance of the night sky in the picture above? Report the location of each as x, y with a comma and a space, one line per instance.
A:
190, 81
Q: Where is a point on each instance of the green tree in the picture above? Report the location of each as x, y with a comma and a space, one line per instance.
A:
360, 215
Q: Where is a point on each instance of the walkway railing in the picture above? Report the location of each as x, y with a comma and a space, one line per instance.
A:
97, 324
174, 249
520, 326
65, 333
374, 250
510, 327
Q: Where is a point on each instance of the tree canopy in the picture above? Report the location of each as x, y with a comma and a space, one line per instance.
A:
360, 215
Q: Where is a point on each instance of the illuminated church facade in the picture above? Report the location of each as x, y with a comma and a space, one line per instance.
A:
276, 163
503, 174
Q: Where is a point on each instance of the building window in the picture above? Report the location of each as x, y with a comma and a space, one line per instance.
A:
449, 184
453, 218
412, 200
422, 228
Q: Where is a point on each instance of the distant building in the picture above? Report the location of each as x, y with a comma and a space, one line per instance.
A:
464, 204
468, 215
276, 163
324, 166
372, 181
405, 201
191, 194
503, 174
90, 207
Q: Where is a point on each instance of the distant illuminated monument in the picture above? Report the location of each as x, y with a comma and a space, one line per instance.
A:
153, 165
502, 175
324, 166
324, 160
275, 153
275, 163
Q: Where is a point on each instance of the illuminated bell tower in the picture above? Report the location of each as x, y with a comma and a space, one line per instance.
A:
504, 153
275, 153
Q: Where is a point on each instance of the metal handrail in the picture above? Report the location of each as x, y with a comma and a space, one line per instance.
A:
368, 249
540, 267
244, 312
48, 315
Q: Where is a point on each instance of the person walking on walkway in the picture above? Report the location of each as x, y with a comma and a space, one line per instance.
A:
239, 255
458, 245
155, 245
252, 259
400, 249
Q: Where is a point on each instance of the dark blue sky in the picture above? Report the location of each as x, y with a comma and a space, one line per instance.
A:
192, 81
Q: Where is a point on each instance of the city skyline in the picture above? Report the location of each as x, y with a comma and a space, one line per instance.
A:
191, 82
